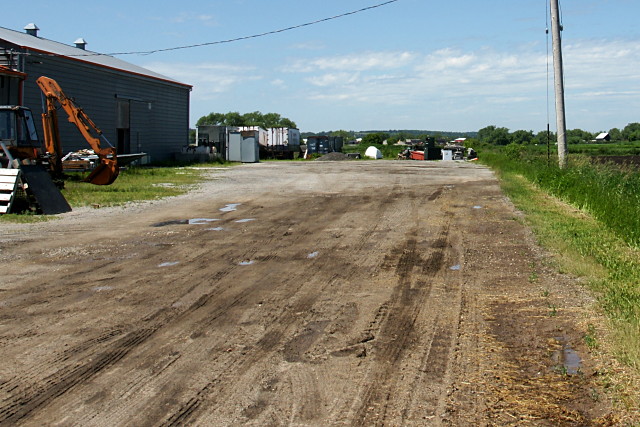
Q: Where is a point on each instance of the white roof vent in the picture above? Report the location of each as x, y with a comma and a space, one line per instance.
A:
80, 43
32, 29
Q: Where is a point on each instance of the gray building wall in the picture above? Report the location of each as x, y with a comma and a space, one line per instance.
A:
158, 110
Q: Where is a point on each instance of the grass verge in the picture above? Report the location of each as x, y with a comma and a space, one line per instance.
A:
133, 184
585, 248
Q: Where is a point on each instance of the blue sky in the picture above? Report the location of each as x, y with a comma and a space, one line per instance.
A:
456, 65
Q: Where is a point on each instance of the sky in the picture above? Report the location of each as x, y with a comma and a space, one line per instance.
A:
456, 65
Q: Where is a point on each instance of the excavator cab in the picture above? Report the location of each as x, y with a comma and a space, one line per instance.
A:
18, 132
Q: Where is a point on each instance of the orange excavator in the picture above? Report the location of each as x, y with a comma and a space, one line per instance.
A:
107, 170
19, 139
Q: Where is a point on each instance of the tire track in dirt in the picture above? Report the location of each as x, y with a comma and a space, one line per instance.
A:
266, 343
37, 396
272, 340
394, 335
398, 334
286, 320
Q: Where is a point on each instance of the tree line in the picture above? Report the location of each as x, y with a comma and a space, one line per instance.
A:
502, 136
256, 118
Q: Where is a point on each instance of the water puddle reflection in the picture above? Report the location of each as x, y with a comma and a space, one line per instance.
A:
245, 220
455, 267
196, 221
249, 262
215, 229
567, 358
230, 207
168, 264
313, 254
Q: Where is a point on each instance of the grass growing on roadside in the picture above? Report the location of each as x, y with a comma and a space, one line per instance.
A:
589, 215
133, 184
610, 194
586, 249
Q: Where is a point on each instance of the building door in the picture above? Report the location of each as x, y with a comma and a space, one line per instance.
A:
123, 126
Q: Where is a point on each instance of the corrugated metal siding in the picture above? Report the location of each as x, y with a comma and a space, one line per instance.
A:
159, 131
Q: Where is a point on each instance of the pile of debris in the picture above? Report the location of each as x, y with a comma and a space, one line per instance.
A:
80, 160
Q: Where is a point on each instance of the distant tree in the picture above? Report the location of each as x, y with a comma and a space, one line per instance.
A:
615, 134
631, 132
212, 119
393, 139
374, 138
234, 118
494, 135
579, 136
286, 123
501, 136
542, 137
347, 136
522, 137
255, 118
272, 120
485, 133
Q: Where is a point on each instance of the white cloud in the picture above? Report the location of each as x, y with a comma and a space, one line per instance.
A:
207, 79
199, 18
473, 87
356, 62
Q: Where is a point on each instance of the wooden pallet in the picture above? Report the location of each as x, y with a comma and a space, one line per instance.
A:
8, 187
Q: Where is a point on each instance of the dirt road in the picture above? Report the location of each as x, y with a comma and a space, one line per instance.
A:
320, 293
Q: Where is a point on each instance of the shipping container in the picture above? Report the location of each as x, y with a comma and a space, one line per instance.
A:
243, 146
284, 136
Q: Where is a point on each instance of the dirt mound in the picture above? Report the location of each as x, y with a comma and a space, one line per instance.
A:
617, 160
334, 156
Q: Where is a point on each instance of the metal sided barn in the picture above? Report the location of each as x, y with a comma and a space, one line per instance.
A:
138, 110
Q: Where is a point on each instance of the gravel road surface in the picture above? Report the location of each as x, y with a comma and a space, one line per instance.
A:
296, 293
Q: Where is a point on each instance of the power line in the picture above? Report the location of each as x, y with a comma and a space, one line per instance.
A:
254, 36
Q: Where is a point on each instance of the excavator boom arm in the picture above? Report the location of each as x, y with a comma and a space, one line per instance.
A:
107, 171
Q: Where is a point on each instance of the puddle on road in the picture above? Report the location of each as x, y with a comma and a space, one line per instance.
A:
572, 361
455, 267
477, 207
168, 264
567, 357
245, 220
215, 229
313, 254
193, 221
102, 288
196, 221
230, 207
249, 262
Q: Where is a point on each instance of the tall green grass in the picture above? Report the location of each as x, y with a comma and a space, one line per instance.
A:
610, 194
133, 184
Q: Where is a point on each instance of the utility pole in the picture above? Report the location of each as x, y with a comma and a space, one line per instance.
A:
559, 83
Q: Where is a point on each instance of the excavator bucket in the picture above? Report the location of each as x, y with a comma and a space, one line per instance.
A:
105, 173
